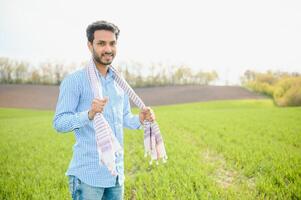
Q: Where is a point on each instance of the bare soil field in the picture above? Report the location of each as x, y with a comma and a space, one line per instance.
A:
45, 96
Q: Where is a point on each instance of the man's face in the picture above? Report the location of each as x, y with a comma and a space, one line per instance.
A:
103, 47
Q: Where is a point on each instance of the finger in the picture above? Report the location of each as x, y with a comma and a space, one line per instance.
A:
94, 101
153, 117
100, 101
99, 108
101, 104
147, 114
146, 108
95, 105
103, 101
97, 99
147, 111
151, 111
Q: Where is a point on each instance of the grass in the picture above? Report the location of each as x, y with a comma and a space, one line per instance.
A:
247, 149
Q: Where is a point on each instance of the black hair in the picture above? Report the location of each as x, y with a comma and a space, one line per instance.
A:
101, 25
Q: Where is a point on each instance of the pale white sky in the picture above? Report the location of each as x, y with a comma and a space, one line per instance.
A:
227, 36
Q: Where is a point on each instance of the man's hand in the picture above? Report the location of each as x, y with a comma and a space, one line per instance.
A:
97, 106
147, 114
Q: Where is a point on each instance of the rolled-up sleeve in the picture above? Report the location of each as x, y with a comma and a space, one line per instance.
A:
129, 120
66, 118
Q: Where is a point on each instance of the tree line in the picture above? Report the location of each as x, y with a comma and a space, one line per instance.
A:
283, 87
137, 74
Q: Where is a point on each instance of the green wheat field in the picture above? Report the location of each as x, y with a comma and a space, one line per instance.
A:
243, 149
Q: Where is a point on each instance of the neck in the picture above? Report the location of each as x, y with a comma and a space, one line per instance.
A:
103, 69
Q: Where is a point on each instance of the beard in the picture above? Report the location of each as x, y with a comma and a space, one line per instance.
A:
101, 60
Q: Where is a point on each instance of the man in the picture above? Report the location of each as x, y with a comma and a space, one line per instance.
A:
76, 109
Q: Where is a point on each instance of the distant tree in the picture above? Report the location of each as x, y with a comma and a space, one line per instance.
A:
137, 74
21, 72
35, 76
212, 76
283, 87
60, 72
182, 75
205, 78
47, 74
6, 70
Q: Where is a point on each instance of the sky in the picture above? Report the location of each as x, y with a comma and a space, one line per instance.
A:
227, 36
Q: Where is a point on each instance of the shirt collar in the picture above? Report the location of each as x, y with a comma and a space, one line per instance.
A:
109, 76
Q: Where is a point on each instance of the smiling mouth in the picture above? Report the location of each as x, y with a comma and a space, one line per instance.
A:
108, 55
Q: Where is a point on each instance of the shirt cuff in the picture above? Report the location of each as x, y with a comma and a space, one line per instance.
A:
84, 117
138, 123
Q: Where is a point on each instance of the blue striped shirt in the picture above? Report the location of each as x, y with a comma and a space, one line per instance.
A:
72, 108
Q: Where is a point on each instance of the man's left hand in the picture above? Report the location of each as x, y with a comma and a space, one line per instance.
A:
147, 114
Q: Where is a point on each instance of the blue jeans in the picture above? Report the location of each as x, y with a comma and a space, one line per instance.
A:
81, 191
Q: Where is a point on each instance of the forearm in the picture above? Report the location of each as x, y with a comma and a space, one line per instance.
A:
68, 121
132, 122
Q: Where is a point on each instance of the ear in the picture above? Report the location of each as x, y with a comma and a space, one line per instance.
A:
90, 46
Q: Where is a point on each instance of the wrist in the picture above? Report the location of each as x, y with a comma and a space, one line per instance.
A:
91, 114
141, 119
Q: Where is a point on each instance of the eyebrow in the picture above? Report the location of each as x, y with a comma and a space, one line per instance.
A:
105, 41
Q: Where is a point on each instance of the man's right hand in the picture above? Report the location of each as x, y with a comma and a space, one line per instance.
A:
97, 106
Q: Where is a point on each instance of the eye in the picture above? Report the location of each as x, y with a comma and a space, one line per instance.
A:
101, 43
113, 44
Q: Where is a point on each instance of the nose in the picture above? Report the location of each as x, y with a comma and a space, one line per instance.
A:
108, 49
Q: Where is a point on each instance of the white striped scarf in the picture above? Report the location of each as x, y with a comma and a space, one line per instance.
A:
107, 145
